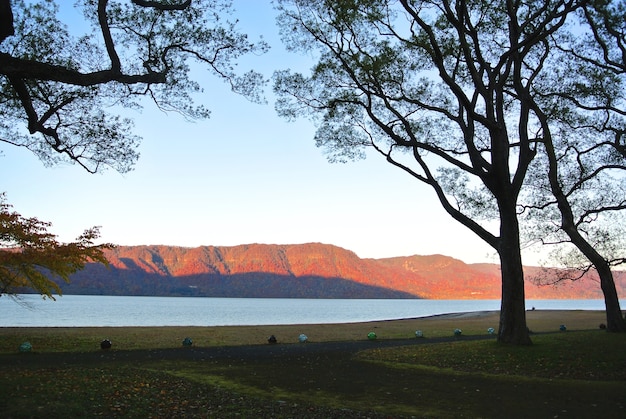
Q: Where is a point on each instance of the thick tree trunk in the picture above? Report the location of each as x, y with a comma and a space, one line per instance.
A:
513, 329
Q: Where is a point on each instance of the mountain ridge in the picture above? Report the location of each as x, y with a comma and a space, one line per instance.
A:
309, 270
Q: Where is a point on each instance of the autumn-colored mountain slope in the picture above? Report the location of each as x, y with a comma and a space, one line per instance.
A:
310, 270
257, 270
449, 278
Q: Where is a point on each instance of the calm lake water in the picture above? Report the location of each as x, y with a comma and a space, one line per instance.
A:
85, 310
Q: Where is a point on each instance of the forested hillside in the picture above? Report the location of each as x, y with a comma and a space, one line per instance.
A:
311, 270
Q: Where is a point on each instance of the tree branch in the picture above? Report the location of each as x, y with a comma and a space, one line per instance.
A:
116, 65
29, 69
160, 6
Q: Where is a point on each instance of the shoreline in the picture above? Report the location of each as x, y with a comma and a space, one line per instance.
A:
472, 324
459, 315
442, 316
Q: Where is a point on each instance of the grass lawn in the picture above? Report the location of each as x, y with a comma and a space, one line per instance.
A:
579, 373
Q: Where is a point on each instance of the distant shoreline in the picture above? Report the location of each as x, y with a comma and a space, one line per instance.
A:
462, 315
467, 315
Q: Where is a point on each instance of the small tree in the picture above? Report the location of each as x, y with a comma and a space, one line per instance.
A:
31, 257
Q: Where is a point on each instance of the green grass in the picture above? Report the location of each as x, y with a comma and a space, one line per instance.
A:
585, 355
579, 373
582, 373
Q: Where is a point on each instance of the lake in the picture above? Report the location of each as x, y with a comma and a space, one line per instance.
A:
99, 311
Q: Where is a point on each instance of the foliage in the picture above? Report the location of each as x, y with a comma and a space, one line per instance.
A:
580, 109
61, 92
414, 87
432, 88
30, 256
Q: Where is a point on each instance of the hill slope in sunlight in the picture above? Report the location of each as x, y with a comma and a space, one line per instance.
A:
311, 270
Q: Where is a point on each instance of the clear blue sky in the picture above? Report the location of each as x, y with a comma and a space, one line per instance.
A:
243, 176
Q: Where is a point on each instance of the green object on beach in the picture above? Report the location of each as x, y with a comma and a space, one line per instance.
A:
371, 336
26, 347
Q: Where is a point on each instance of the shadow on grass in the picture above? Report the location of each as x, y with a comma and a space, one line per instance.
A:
578, 374
371, 381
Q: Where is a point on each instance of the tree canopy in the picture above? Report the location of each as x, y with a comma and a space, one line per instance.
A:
579, 109
461, 95
61, 94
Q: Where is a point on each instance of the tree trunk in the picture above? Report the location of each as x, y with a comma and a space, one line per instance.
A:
512, 329
614, 320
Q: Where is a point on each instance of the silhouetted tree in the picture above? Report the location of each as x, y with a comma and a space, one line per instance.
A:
444, 90
59, 93
580, 112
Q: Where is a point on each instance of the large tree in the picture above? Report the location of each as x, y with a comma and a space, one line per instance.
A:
439, 89
62, 92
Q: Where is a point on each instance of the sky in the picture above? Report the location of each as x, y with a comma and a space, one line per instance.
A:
243, 176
